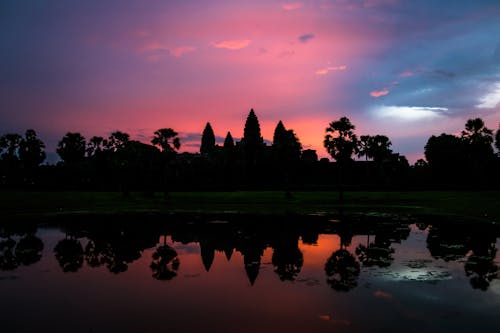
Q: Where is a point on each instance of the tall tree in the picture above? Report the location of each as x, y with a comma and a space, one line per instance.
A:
376, 147
96, 145
71, 148
478, 140
167, 140
445, 154
9, 146
497, 138
117, 140
31, 150
207, 140
341, 143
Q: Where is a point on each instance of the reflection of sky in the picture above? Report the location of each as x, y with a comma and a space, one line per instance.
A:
407, 69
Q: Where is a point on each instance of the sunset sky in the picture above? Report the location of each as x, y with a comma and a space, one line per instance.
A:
406, 69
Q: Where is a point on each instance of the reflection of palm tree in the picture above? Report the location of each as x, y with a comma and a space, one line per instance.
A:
8, 260
69, 254
165, 262
26, 251
480, 266
378, 253
342, 270
29, 250
448, 244
287, 262
287, 258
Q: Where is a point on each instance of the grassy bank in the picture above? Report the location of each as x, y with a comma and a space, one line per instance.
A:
481, 206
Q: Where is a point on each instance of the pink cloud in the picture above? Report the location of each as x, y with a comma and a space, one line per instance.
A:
153, 49
179, 51
406, 74
326, 70
292, 5
236, 44
379, 93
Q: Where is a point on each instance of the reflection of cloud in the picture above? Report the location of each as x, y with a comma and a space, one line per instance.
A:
292, 5
306, 38
491, 99
382, 294
328, 69
236, 44
410, 112
379, 93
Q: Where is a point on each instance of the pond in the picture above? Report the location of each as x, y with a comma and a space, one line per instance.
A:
225, 273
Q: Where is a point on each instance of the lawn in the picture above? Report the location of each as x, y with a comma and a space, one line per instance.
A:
480, 206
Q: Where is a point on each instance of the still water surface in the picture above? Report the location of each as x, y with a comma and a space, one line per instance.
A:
250, 274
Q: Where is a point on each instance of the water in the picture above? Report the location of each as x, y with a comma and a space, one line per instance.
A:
247, 274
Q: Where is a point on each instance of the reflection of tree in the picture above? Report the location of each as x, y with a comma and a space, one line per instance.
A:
342, 270
165, 262
115, 248
448, 244
25, 251
29, 250
69, 254
8, 260
287, 258
378, 253
480, 265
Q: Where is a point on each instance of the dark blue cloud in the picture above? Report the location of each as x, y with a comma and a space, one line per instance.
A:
305, 38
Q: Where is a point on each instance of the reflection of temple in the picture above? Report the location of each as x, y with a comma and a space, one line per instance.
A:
116, 245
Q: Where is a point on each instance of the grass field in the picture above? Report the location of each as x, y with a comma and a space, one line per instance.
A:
480, 206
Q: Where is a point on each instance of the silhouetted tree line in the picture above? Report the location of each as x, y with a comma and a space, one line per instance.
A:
117, 244
121, 164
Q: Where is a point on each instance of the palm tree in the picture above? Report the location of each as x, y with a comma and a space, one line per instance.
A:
71, 148
165, 262
341, 142
169, 142
478, 141
342, 270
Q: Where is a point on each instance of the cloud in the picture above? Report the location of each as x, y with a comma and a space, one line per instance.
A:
409, 113
379, 93
179, 51
305, 38
406, 73
491, 99
153, 47
292, 5
155, 50
235, 44
328, 69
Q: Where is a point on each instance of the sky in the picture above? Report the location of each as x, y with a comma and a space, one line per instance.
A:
402, 68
